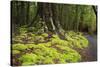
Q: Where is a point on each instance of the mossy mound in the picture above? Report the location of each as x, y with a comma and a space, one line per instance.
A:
42, 54
15, 52
50, 50
76, 40
19, 47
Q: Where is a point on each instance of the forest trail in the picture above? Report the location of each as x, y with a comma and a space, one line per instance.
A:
90, 53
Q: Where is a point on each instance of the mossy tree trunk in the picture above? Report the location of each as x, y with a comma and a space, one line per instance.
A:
50, 15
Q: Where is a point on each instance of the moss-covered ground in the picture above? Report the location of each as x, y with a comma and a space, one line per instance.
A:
32, 49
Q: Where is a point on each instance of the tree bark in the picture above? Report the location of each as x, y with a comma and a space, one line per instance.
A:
28, 9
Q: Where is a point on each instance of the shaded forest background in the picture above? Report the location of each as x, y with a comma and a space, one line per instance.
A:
50, 17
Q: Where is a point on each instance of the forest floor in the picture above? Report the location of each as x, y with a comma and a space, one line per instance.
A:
47, 50
90, 53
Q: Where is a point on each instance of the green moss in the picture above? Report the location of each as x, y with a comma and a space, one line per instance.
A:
54, 53
15, 52
76, 44
17, 39
44, 34
19, 47
38, 39
48, 44
30, 45
48, 60
22, 30
76, 40
51, 52
69, 54
84, 41
24, 38
59, 42
27, 63
71, 57
71, 33
28, 59
55, 36
39, 52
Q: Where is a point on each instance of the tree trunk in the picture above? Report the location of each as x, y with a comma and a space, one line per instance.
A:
58, 29
49, 14
28, 9
45, 14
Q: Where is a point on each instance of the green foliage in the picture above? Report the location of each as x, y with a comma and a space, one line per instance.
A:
19, 47
89, 19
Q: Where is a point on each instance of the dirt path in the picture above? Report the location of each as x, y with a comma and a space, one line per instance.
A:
90, 53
